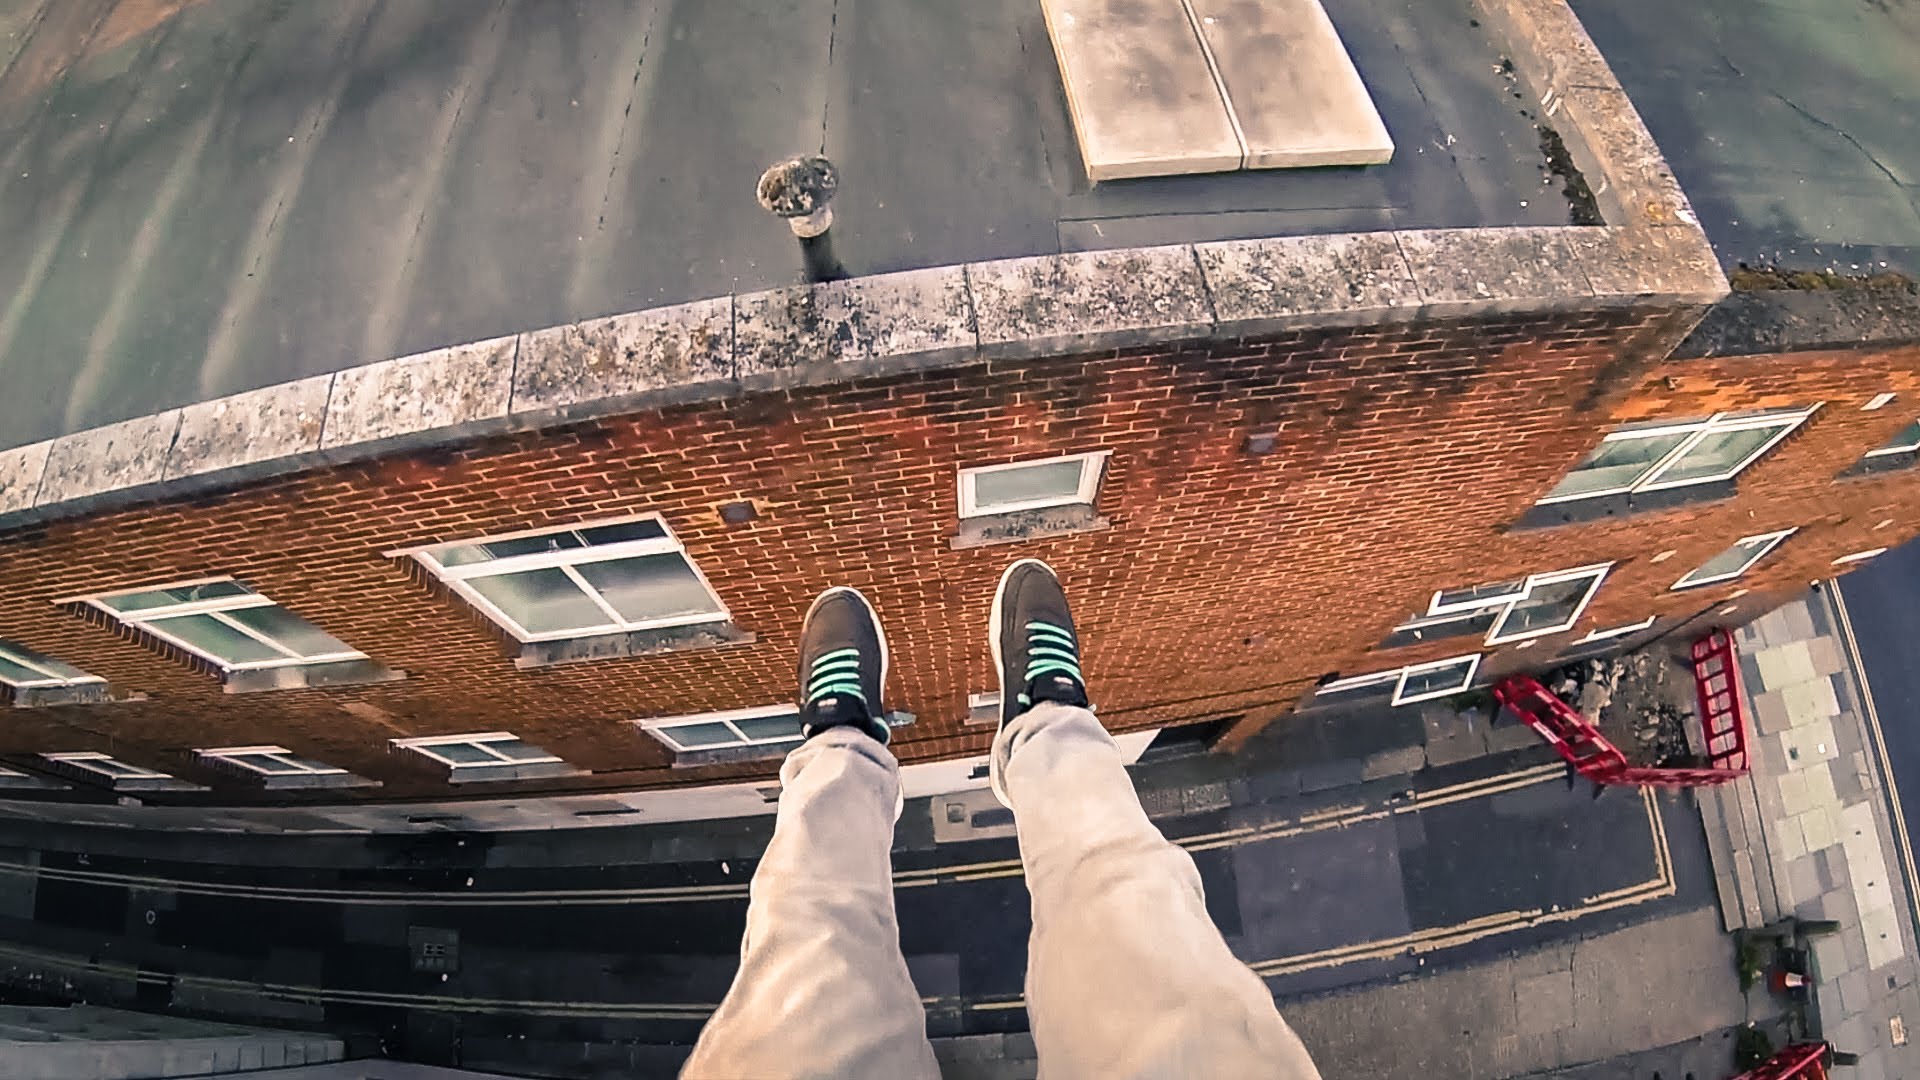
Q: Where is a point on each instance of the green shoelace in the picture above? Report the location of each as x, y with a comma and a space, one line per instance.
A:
836, 672
1050, 649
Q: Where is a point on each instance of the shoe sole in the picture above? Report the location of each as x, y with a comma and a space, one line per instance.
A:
872, 617
999, 664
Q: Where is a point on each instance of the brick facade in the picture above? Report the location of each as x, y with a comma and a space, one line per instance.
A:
1227, 583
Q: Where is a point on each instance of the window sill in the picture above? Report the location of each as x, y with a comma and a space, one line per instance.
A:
491, 774
311, 782
1605, 507
732, 755
671, 639
41, 697
310, 677
1028, 525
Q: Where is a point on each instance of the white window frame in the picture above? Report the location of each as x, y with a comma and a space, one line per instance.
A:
52, 679
1398, 677
1859, 556
1501, 605
424, 745
1891, 448
1093, 469
1698, 431
229, 755
1598, 572
1618, 631
456, 577
82, 760
1400, 695
1771, 540
153, 620
661, 727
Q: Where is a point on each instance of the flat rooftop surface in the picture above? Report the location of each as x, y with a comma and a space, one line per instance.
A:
1793, 125
199, 197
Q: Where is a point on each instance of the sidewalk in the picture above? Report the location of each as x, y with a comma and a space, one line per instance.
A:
1806, 835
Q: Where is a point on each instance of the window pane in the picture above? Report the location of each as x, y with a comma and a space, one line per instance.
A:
543, 601
1907, 439
786, 726
1435, 681
649, 587
109, 766
1617, 464
16, 657
16, 674
1546, 607
266, 763
216, 639
624, 532
516, 750
290, 630
462, 753
1053, 481
701, 735
1460, 598
1718, 454
1732, 561
465, 554
185, 594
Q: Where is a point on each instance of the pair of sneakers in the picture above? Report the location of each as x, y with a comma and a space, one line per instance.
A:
843, 654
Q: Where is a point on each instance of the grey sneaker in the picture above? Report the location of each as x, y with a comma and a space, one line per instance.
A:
1034, 645
843, 665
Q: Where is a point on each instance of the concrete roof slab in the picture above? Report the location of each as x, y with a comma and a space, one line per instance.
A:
602, 365
1090, 299
128, 455
21, 470
1493, 269
464, 388
1260, 285
839, 328
257, 426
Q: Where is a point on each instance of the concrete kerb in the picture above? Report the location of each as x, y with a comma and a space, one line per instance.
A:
1012, 309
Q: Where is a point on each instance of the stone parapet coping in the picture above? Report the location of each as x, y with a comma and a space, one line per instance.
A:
1651, 252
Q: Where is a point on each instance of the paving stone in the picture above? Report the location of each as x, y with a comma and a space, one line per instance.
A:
1794, 797
1809, 702
1770, 712
1830, 950
1856, 991
1785, 665
1803, 878
1881, 929
1451, 737
1824, 653
1397, 762
1505, 738
1820, 827
1818, 778
1808, 744
1797, 620
1785, 841
1546, 1002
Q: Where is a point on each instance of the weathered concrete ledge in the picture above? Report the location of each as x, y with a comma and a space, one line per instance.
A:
1794, 320
1651, 252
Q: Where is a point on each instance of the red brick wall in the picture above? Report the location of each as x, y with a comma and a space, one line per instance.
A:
1227, 583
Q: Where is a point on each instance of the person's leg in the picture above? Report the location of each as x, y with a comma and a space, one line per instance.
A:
822, 988
1126, 974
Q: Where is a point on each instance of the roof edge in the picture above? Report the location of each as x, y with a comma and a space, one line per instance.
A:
1651, 252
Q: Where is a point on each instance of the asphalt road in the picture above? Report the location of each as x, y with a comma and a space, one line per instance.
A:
1883, 604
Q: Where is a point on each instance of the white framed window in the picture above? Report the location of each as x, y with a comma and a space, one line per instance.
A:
1415, 682
106, 765
24, 669
270, 761
1072, 480
1421, 682
1859, 556
481, 751
1877, 401
983, 707
1535, 606
1734, 561
770, 725
1654, 457
224, 621
1904, 441
578, 580
1617, 631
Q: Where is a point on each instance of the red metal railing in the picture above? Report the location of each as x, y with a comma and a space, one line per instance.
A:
1716, 675
1802, 1061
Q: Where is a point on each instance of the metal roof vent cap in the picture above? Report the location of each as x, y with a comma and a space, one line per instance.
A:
800, 190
